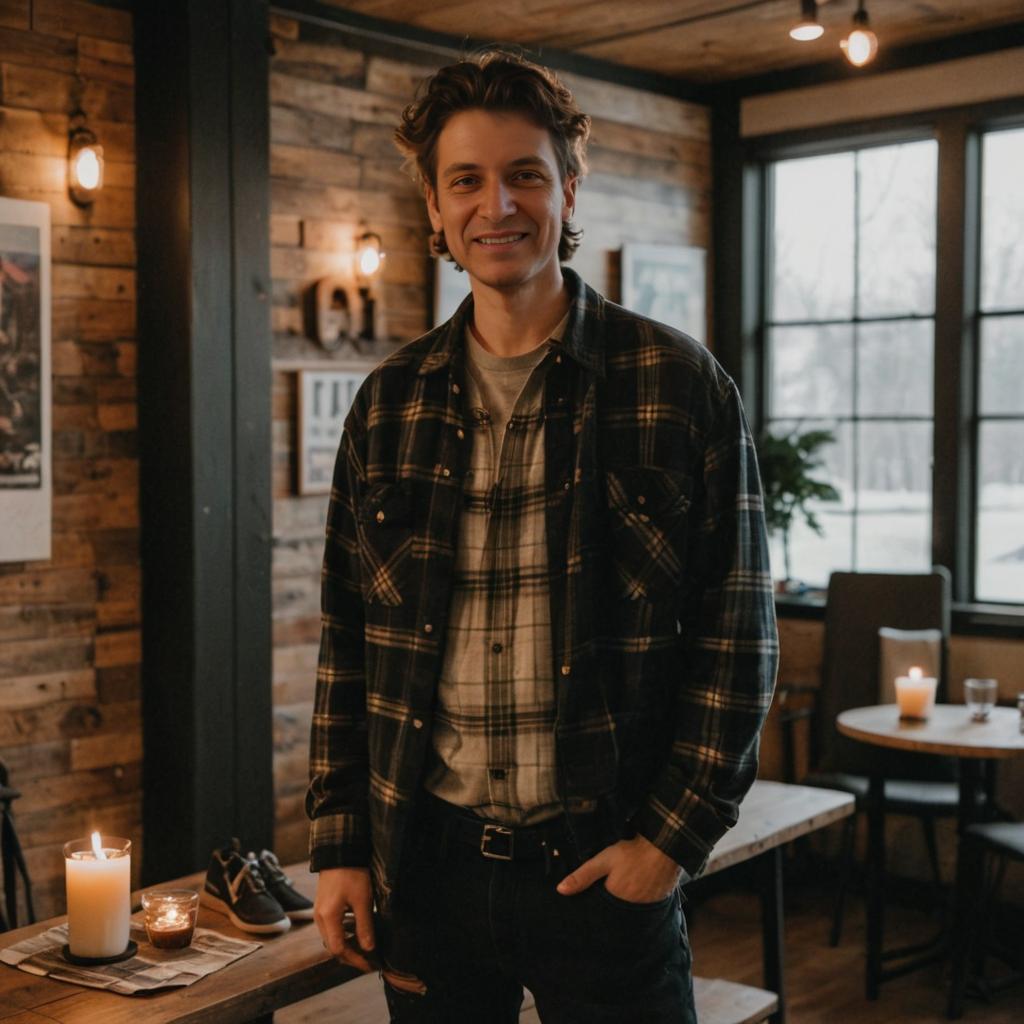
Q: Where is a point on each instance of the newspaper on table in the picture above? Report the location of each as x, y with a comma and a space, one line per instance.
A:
148, 970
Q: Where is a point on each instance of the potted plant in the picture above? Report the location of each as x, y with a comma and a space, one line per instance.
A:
787, 463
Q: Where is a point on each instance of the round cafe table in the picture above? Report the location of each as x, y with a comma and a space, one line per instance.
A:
949, 732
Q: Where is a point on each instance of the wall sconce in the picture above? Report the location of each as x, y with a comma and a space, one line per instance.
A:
369, 262
85, 161
861, 45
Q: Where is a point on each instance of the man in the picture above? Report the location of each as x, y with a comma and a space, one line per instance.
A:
548, 632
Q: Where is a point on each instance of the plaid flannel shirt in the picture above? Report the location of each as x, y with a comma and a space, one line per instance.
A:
664, 645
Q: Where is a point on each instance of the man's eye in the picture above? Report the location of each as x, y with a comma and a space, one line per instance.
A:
528, 176
462, 182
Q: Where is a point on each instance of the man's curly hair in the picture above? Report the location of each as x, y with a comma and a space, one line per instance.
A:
496, 80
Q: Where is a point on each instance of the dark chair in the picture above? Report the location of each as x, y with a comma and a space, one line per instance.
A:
922, 786
12, 859
984, 853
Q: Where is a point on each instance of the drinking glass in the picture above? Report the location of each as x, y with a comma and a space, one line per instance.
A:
980, 697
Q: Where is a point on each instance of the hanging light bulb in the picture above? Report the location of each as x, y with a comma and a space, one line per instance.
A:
861, 45
807, 28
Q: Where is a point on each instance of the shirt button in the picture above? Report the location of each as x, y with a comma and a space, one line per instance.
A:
428, 628
380, 516
566, 670
497, 648
417, 723
456, 389
558, 359
460, 433
641, 499
446, 471
566, 485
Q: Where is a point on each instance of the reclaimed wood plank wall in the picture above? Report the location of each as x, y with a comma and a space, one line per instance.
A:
70, 655
335, 101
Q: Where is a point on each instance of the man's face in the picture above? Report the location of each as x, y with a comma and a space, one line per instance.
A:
500, 198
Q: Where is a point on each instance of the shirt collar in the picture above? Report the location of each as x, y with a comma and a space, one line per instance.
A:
583, 339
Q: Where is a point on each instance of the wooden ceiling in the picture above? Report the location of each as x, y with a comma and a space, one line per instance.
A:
702, 41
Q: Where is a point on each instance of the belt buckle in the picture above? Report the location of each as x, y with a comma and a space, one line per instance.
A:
489, 833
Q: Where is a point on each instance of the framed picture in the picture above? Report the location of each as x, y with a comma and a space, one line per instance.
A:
26, 484
451, 286
668, 284
325, 397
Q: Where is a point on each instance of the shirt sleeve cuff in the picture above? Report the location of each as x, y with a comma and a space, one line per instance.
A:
338, 841
677, 837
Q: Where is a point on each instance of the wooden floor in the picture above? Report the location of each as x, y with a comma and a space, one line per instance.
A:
825, 985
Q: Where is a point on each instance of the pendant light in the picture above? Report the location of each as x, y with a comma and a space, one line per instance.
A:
861, 45
807, 28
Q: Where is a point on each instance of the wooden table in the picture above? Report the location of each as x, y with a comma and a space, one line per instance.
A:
287, 968
294, 966
949, 732
771, 815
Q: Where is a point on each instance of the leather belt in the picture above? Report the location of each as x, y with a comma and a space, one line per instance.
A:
494, 840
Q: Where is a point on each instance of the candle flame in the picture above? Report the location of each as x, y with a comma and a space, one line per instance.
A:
916, 673
97, 847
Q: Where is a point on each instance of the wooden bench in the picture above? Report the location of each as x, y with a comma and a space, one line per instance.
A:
362, 1002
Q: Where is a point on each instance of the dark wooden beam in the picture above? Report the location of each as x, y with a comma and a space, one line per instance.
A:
913, 55
736, 259
204, 427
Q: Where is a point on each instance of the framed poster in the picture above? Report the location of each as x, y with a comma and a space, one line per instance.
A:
26, 483
667, 283
325, 397
451, 286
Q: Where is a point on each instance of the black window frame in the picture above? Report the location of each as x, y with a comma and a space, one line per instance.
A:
743, 225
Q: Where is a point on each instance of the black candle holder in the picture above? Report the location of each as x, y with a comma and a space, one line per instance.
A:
98, 961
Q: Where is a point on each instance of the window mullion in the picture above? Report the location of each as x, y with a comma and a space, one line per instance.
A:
954, 378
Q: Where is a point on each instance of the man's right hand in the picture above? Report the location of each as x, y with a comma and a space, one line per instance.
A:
338, 890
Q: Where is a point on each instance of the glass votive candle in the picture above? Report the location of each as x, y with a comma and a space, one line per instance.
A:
915, 695
170, 916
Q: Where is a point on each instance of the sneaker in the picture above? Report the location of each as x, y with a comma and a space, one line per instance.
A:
234, 886
282, 888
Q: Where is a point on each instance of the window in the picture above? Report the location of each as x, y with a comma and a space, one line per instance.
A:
999, 512
849, 342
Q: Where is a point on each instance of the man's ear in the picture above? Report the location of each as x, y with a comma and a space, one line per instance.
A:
569, 196
433, 210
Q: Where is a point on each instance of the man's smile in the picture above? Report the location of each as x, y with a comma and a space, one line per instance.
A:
503, 238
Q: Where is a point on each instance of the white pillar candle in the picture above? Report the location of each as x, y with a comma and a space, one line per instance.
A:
915, 694
98, 873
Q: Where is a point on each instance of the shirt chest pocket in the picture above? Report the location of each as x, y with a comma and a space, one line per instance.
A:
647, 509
385, 528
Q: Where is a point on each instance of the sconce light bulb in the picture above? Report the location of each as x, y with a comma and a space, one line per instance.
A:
87, 168
369, 261
860, 46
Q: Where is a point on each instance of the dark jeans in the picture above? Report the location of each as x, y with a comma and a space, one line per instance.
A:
475, 931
